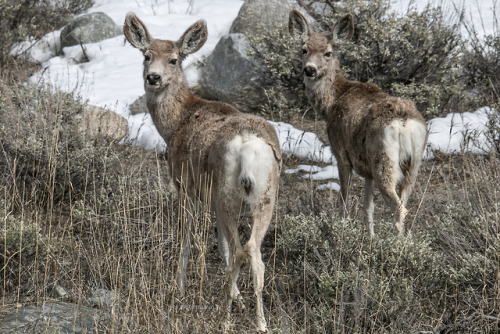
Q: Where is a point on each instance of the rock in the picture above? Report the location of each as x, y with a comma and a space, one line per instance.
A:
103, 298
231, 75
101, 123
89, 28
57, 291
139, 106
56, 317
259, 16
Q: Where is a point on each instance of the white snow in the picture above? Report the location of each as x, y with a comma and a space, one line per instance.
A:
302, 144
112, 78
478, 13
459, 132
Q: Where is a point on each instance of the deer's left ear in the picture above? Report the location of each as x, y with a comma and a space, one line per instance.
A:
343, 29
193, 38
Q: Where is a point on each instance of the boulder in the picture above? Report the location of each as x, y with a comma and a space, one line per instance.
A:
53, 317
258, 16
139, 106
231, 75
89, 28
103, 299
98, 123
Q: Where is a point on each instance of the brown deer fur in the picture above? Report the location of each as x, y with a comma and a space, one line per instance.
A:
379, 136
211, 143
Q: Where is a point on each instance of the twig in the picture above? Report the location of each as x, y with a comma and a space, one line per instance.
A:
86, 58
493, 88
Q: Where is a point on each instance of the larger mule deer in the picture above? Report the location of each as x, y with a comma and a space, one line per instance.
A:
238, 154
379, 136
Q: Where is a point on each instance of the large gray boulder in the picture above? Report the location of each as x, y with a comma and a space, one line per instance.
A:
231, 75
89, 28
257, 16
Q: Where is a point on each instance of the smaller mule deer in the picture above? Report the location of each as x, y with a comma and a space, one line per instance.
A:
211, 143
379, 136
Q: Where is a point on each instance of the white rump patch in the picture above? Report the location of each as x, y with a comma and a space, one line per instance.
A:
248, 157
404, 141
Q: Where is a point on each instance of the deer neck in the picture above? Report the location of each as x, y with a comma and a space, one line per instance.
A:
324, 93
168, 107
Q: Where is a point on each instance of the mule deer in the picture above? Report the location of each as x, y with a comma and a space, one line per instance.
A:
238, 154
379, 136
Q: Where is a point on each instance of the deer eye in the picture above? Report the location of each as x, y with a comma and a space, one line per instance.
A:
328, 54
304, 51
147, 57
173, 61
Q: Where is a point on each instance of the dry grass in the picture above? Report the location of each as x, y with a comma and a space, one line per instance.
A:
99, 215
113, 221
124, 235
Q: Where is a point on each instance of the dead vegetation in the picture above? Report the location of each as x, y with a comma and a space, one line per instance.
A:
100, 215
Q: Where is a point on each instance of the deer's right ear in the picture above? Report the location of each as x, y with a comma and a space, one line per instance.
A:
298, 26
136, 33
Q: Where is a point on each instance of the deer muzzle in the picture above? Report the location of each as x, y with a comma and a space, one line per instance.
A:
310, 71
153, 79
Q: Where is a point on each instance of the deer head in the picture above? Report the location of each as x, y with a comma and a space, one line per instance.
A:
163, 59
319, 50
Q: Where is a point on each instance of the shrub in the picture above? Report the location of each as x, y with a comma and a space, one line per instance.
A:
493, 130
22, 246
415, 56
44, 158
482, 73
392, 283
285, 93
482, 77
20, 20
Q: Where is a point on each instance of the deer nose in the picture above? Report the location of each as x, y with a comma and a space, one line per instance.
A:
152, 78
310, 71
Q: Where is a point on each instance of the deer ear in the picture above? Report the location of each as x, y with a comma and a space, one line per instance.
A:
136, 33
193, 38
298, 26
344, 28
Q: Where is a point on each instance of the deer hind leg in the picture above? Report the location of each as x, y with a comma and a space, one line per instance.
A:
226, 253
405, 189
261, 214
222, 245
407, 184
345, 174
233, 254
184, 260
368, 205
187, 221
388, 190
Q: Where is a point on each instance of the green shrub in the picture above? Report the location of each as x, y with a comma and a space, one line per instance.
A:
419, 49
415, 56
391, 283
482, 73
44, 158
21, 246
285, 93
